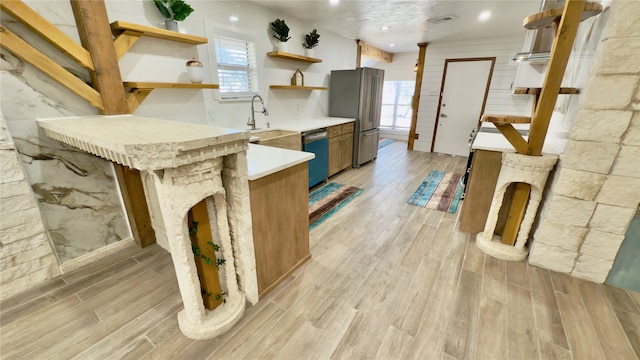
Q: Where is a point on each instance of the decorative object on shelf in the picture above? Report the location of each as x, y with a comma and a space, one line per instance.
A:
281, 33
311, 40
173, 11
298, 78
194, 69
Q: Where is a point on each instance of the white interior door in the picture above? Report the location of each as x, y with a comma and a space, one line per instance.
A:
462, 98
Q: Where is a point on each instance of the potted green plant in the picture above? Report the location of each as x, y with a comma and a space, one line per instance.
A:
173, 11
281, 33
311, 40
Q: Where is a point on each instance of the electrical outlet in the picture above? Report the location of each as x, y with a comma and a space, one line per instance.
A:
416, 136
212, 116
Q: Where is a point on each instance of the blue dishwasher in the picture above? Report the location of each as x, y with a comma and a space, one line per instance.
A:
316, 142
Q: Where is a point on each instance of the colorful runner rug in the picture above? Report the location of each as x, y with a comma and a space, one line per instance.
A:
440, 191
384, 142
327, 200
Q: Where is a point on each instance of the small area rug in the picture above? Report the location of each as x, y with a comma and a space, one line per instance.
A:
384, 142
440, 190
327, 200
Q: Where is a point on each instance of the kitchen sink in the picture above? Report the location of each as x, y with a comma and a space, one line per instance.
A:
279, 138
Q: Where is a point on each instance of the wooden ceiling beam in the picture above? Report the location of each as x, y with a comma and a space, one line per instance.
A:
372, 52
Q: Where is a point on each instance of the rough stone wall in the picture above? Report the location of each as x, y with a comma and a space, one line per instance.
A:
597, 191
26, 256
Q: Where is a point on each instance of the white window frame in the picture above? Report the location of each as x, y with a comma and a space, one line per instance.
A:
394, 125
214, 31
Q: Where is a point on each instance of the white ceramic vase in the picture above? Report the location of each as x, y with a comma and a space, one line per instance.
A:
309, 52
171, 25
281, 46
195, 71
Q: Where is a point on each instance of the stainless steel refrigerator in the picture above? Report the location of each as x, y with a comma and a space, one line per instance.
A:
358, 94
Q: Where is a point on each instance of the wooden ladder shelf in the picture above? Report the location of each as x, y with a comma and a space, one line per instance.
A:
565, 21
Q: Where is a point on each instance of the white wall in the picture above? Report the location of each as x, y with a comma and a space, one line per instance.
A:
158, 60
500, 99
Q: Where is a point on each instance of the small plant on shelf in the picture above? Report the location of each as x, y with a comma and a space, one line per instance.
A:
311, 40
281, 30
173, 10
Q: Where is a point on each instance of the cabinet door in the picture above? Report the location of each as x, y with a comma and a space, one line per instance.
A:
334, 155
334, 131
347, 150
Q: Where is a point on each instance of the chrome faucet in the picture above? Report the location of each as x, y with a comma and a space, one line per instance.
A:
252, 120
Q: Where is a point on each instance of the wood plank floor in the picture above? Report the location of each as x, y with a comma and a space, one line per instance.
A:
387, 280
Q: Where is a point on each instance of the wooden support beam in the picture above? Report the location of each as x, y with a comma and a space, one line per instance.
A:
560, 51
416, 94
514, 137
135, 97
131, 188
39, 25
373, 52
516, 213
124, 42
95, 34
26, 52
205, 256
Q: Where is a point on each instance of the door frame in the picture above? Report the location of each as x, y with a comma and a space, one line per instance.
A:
444, 77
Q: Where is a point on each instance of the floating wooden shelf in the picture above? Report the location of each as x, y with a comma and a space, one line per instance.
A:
131, 29
537, 91
284, 55
545, 18
506, 119
140, 90
160, 85
291, 87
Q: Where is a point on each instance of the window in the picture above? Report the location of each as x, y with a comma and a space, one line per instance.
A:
236, 62
396, 104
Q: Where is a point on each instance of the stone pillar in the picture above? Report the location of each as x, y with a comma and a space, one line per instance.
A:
595, 194
516, 168
178, 190
234, 180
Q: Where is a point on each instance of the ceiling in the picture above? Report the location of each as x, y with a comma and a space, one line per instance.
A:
407, 20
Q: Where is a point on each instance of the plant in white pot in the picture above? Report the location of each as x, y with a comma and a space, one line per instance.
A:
281, 33
311, 40
173, 11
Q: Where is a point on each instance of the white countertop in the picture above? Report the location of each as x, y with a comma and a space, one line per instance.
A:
497, 141
310, 124
266, 160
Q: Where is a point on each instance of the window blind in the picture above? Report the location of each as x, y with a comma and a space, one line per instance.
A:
236, 61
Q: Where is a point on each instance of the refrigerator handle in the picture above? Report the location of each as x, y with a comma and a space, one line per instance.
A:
373, 112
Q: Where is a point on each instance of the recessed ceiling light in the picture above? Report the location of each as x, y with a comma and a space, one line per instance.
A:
392, 45
484, 16
385, 28
334, 2
234, 18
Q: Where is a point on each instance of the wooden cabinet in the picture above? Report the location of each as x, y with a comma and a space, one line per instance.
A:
280, 215
340, 147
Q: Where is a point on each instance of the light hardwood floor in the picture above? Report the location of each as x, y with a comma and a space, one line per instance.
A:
387, 280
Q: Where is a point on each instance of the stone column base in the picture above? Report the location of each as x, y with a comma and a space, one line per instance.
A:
494, 247
516, 168
215, 322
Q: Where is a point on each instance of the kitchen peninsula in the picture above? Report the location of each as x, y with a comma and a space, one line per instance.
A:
183, 164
